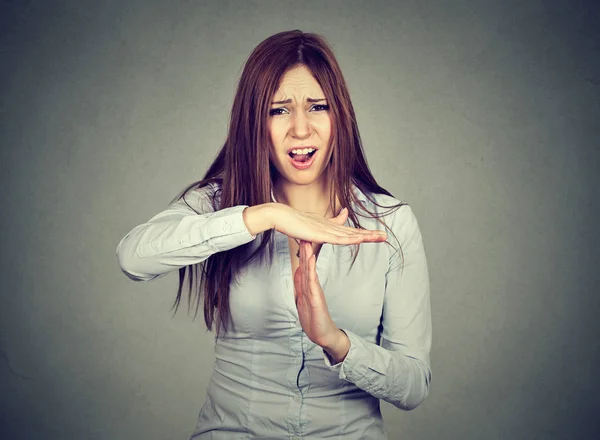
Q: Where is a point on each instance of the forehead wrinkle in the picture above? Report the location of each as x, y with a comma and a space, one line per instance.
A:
298, 94
300, 86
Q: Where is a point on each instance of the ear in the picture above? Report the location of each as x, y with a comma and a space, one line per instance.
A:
341, 218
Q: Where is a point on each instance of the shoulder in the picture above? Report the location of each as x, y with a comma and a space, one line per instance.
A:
209, 190
383, 206
205, 198
397, 214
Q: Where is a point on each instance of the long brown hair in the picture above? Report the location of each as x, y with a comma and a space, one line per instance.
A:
242, 170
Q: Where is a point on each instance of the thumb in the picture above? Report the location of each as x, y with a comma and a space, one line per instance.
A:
341, 218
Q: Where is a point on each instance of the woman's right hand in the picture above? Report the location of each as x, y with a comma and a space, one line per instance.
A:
307, 226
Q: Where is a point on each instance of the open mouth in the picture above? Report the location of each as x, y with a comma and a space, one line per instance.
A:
302, 154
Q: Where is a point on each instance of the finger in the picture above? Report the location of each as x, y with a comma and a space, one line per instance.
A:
348, 230
341, 218
297, 285
312, 270
367, 233
300, 285
343, 239
302, 266
372, 232
307, 255
309, 250
353, 239
343, 233
375, 239
309, 269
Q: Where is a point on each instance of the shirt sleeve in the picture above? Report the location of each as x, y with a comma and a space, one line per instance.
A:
186, 233
398, 370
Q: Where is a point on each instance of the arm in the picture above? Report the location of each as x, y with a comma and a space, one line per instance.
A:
398, 371
179, 236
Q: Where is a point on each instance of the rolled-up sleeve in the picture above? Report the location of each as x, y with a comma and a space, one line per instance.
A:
398, 370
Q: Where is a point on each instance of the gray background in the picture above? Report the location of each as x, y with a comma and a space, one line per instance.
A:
481, 114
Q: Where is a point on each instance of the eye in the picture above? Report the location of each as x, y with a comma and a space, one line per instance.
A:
277, 111
320, 107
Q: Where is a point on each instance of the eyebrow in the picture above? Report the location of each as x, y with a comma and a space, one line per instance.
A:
288, 101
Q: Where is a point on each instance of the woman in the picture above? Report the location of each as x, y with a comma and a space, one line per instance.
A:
312, 329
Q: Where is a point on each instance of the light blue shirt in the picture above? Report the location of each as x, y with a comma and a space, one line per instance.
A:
269, 380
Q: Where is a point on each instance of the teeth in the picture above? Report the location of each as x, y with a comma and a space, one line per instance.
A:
303, 151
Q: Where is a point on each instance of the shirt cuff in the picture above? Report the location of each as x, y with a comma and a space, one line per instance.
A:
227, 228
355, 366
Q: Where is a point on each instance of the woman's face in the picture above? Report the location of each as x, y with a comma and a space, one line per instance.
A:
300, 128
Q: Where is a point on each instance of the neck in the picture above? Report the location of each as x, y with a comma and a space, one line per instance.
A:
313, 197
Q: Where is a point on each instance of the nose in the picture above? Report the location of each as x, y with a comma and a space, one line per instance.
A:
300, 128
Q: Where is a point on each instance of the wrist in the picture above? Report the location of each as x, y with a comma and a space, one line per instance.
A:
338, 348
259, 218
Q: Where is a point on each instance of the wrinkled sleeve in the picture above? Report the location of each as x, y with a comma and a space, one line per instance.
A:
187, 232
398, 370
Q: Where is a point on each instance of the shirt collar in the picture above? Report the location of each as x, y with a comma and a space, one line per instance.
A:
357, 193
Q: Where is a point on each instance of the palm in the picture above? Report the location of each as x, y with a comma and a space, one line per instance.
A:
311, 305
310, 299
317, 229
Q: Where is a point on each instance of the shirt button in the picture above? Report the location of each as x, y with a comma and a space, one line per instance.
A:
226, 226
183, 241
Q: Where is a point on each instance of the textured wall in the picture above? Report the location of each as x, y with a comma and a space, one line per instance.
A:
481, 114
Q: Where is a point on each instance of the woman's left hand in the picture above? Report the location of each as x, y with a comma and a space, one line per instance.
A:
312, 307
310, 300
